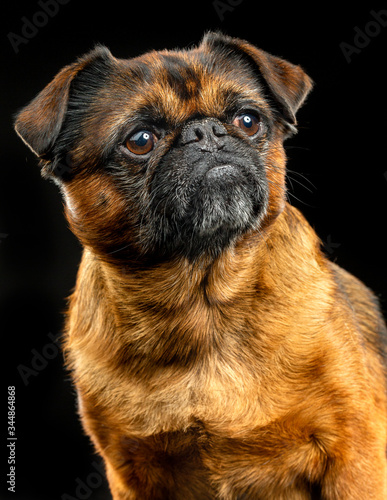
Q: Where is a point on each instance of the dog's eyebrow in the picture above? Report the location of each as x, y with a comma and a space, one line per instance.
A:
142, 116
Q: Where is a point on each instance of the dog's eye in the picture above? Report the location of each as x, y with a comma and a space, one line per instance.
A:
249, 123
141, 143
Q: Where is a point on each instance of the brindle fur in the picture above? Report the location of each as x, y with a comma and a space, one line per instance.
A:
236, 364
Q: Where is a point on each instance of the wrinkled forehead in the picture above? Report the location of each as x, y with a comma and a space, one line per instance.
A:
179, 84
172, 86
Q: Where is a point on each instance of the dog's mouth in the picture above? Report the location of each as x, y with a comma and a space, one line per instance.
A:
219, 171
223, 198
203, 205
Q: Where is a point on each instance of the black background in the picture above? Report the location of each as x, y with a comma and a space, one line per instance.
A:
339, 181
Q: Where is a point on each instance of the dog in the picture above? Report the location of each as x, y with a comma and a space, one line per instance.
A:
216, 352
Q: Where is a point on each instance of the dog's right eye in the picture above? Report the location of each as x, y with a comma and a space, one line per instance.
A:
141, 142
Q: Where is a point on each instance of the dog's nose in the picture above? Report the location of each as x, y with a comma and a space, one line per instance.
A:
208, 134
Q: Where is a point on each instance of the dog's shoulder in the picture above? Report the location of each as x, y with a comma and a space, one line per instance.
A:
366, 308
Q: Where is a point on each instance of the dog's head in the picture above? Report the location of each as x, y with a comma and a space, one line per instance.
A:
173, 152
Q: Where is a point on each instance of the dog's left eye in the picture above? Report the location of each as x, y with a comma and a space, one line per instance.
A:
141, 143
249, 123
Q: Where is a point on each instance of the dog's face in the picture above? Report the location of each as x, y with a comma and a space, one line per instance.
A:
171, 153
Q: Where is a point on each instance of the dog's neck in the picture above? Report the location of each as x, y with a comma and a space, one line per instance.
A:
171, 310
178, 285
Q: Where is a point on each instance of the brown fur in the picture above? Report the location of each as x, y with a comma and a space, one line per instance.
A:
257, 374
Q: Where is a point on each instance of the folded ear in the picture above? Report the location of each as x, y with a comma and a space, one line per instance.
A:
40, 122
286, 83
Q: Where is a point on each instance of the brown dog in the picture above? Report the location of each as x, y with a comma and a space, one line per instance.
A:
216, 352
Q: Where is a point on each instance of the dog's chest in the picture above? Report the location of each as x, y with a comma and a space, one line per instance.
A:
204, 460
213, 427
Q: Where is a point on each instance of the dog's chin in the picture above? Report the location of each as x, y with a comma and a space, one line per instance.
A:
206, 215
221, 202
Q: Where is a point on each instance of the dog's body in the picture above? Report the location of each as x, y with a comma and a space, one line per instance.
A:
216, 352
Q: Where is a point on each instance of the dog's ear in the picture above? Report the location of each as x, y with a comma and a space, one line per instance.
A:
287, 84
40, 122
